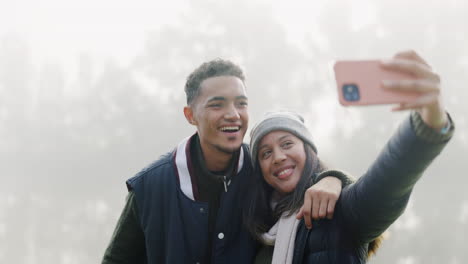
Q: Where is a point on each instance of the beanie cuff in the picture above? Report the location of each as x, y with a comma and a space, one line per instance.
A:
288, 122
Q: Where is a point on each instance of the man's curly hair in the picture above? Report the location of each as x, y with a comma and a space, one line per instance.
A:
214, 68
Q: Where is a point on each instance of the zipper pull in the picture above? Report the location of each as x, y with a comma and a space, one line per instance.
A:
225, 184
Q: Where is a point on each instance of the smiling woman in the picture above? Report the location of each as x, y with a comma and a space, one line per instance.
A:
286, 163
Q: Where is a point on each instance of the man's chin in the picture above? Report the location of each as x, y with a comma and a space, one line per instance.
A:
231, 149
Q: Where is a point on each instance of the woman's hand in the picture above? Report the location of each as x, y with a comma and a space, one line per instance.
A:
427, 82
320, 200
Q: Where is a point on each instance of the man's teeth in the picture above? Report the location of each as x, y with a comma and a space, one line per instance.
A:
230, 129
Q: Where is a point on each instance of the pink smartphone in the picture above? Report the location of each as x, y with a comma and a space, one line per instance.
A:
359, 83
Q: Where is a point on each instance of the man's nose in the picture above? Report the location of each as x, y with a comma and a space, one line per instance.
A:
232, 113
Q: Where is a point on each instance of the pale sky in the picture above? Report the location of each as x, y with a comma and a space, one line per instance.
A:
60, 30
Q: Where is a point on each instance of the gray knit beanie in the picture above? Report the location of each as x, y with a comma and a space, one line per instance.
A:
284, 121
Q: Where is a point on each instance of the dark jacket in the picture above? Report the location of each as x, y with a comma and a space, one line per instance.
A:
368, 207
175, 225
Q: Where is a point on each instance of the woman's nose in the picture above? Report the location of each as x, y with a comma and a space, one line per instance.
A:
278, 156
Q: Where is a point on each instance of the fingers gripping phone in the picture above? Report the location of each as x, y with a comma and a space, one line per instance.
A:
360, 83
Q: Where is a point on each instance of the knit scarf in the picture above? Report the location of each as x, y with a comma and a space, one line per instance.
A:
282, 236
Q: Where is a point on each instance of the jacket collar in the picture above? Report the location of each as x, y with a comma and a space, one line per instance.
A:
184, 169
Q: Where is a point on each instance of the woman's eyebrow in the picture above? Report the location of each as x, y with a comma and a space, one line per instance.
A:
279, 139
283, 137
262, 146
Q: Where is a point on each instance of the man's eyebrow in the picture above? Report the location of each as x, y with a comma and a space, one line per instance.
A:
222, 98
217, 98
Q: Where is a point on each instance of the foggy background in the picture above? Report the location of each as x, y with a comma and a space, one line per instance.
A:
92, 91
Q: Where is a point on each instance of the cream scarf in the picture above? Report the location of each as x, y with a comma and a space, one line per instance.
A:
282, 235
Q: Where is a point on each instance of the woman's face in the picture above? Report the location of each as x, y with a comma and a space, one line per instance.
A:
282, 157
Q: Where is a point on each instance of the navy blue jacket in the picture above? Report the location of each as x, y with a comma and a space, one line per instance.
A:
368, 207
175, 225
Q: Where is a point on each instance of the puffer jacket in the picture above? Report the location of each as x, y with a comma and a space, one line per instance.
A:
175, 225
368, 207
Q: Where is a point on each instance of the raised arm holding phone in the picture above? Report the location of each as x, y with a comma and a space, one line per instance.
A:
286, 162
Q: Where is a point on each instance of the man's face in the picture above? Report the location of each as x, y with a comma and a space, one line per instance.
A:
220, 114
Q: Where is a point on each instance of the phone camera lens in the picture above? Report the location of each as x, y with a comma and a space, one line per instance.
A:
351, 92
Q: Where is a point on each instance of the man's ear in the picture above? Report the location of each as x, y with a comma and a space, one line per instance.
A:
188, 112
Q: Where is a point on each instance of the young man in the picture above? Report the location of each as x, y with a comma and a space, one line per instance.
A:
187, 206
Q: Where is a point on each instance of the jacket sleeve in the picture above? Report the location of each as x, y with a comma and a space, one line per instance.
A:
379, 197
127, 244
345, 178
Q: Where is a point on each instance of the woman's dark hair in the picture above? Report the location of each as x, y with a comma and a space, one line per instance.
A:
259, 216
